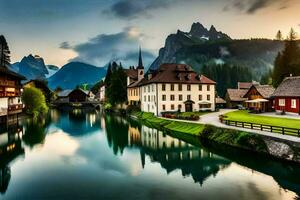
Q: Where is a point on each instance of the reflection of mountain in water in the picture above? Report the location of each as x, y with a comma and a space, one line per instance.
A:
76, 122
10, 149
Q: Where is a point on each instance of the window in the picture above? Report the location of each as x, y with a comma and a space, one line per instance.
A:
200, 87
188, 97
294, 103
172, 107
145, 98
163, 87
188, 87
148, 98
281, 102
180, 97
203, 106
208, 97
152, 88
172, 97
179, 107
148, 88
179, 87
208, 87
145, 89
200, 97
172, 87
163, 97
164, 107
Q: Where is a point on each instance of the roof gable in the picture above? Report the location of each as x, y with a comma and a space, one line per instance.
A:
290, 87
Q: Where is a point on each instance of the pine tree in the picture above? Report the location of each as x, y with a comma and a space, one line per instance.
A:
279, 35
4, 52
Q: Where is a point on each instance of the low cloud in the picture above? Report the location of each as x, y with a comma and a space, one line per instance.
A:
122, 47
252, 6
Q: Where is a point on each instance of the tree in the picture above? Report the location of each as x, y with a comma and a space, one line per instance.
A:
287, 62
35, 102
4, 52
279, 35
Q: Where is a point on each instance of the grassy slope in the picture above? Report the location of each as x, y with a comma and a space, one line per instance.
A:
182, 127
244, 116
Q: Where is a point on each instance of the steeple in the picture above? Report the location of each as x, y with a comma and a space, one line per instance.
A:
140, 66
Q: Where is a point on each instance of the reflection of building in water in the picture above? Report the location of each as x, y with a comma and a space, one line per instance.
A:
134, 136
173, 154
10, 148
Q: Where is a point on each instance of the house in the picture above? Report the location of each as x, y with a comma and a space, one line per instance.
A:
42, 85
63, 96
10, 95
259, 98
101, 92
78, 95
176, 87
287, 96
220, 103
235, 97
133, 79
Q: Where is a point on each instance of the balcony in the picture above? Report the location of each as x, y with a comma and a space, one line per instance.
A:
7, 83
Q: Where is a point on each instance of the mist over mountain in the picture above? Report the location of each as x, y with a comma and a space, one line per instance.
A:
74, 74
201, 46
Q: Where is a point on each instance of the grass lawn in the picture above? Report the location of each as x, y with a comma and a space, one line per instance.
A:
244, 116
182, 127
188, 114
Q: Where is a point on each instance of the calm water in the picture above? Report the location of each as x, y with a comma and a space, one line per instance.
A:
85, 155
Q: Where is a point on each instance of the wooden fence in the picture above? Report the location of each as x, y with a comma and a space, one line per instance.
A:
262, 127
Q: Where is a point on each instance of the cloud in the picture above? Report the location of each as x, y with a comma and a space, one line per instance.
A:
122, 46
252, 6
130, 9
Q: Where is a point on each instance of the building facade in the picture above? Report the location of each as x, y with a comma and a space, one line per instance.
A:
287, 96
10, 95
134, 77
176, 87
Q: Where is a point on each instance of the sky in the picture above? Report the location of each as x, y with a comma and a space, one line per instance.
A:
99, 31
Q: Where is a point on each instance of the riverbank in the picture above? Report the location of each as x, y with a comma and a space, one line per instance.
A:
276, 147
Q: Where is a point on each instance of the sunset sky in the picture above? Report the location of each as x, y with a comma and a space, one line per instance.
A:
97, 31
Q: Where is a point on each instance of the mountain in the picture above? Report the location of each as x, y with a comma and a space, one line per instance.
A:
201, 46
76, 73
32, 67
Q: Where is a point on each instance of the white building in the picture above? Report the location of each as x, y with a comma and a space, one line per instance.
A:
176, 87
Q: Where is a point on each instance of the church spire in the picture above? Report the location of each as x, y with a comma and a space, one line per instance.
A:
140, 66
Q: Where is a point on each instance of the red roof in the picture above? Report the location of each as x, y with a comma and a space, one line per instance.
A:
177, 73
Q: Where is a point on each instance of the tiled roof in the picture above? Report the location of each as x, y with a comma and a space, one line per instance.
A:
5, 70
244, 85
236, 94
219, 100
132, 73
177, 73
64, 93
265, 90
290, 87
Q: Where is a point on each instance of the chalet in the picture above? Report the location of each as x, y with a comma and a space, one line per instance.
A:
259, 98
220, 103
176, 87
134, 77
10, 94
287, 96
63, 96
235, 97
78, 96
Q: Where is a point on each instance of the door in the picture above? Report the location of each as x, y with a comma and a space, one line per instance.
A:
188, 107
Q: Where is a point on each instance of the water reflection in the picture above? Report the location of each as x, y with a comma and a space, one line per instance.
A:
10, 149
89, 155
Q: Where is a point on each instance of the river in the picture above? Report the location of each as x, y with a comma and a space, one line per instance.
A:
76, 154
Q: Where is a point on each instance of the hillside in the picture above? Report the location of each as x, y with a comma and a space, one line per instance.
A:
76, 73
197, 48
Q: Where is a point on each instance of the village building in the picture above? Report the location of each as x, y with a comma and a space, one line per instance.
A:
134, 77
176, 87
220, 102
287, 96
77, 95
101, 92
259, 98
235, 97
10, 95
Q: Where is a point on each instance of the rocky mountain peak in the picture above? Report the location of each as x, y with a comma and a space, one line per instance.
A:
197, 29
